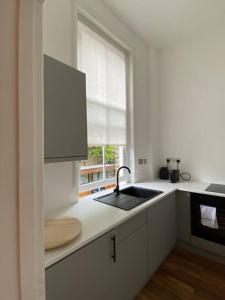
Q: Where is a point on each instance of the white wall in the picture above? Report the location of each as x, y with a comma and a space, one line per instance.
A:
59, 29
192, 105
9, 255
21, 251
59, 36
154, 111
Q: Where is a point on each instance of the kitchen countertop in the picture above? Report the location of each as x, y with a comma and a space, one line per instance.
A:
98, 218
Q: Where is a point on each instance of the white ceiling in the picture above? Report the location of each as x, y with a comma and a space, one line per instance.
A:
163, 22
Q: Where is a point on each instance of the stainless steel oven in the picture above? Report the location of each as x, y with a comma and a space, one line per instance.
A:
208, 217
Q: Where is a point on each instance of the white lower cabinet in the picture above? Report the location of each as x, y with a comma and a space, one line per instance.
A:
112, 267
183, 216
131, 266
162, 231
86, 274
117, 265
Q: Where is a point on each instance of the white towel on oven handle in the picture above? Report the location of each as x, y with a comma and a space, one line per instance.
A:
208, 216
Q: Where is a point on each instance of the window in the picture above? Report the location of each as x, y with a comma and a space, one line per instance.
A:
105, 65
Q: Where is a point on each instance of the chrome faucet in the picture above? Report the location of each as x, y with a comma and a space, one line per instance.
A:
117, 189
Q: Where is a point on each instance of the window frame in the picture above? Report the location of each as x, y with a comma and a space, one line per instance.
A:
103, 33
97, 184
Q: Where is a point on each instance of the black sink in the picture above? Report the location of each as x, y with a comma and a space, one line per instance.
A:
128, 198
140, 192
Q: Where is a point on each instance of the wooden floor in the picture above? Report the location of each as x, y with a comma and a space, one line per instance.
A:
185, 275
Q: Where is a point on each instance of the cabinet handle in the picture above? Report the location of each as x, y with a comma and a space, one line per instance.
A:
114, 248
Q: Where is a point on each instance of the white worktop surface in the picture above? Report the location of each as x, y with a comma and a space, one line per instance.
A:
98, 218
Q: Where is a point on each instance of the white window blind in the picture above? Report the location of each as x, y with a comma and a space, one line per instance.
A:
105, 68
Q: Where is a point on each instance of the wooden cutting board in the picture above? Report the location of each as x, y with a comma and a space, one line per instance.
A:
61, 231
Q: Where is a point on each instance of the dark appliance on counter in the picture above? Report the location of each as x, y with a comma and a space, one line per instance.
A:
208, 217
175, 173
164, 171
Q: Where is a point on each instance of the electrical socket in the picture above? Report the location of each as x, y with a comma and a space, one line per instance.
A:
140, 161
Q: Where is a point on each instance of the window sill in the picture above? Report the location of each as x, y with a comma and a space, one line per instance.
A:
103, 193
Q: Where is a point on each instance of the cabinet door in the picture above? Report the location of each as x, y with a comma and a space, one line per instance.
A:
87, 274
131, 257
131, 265
161, 223
183, 216
65, 122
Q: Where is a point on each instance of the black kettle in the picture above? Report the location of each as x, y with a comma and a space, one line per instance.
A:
164, 171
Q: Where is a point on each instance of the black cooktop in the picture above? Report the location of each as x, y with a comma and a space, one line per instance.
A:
216, 188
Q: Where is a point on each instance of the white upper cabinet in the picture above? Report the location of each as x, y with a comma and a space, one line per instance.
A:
65, 116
